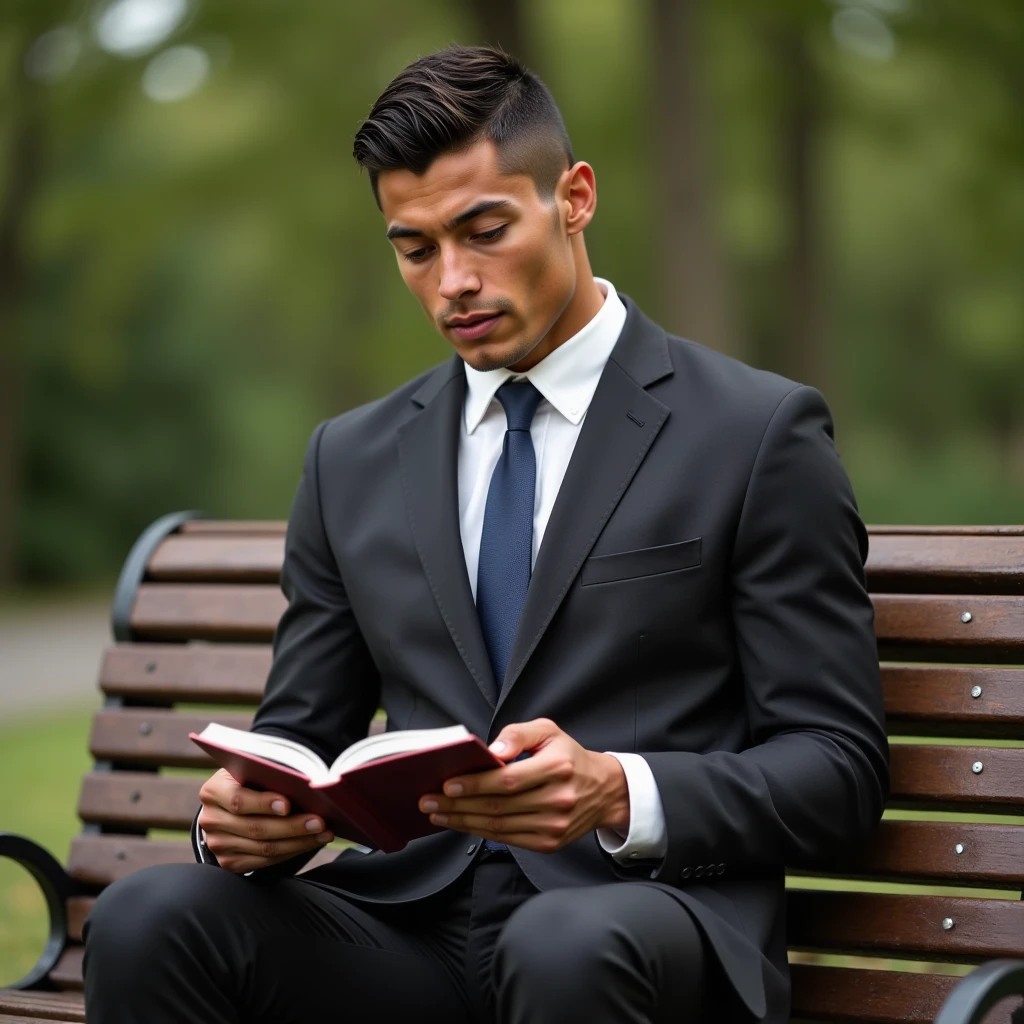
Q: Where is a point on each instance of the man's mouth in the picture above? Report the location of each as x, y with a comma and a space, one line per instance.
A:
475, 326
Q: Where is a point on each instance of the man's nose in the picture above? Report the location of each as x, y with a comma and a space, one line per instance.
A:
457, 276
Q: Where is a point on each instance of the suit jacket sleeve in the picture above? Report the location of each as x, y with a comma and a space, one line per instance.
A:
323, 686
815, 776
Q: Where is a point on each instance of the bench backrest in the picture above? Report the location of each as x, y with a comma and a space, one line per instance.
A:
196, 611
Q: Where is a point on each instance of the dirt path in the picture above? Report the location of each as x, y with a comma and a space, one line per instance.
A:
50, 655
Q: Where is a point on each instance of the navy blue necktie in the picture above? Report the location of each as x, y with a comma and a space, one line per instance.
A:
506, 544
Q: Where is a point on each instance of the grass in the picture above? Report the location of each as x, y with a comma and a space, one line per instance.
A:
41, 762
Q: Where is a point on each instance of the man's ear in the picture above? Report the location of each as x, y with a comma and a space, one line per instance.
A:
578, 193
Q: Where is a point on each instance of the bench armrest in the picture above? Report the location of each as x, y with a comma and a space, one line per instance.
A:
981, 990
57, 887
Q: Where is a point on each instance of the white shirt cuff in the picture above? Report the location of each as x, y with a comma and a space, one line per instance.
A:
647, 838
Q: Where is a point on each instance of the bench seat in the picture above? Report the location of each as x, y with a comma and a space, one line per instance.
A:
879, 937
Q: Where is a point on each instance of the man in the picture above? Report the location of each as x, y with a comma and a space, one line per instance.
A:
632, 559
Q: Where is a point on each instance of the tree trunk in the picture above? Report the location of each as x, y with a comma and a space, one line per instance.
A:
805, 355
693, 286
21, 175
501, 23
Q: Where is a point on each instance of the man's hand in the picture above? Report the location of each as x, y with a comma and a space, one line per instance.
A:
246, 829
541, 803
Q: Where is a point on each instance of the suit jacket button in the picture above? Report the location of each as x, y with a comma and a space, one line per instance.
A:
685, 873
699, 871
472, 849
721, 869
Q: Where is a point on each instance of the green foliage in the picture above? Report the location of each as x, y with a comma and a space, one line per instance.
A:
206, 280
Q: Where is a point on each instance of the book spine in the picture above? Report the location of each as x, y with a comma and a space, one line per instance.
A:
362, 814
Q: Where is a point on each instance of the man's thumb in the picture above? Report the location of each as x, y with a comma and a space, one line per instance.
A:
522, 737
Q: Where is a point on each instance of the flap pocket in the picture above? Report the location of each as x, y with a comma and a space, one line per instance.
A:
625, 565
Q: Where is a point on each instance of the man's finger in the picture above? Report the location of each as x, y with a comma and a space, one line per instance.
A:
260, 826
494, 827
267, 852
512, 778
224, 791
514, 739
539, 841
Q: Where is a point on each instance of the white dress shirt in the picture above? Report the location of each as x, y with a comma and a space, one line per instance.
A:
567, 380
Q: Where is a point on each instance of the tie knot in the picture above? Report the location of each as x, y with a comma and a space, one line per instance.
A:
520, 400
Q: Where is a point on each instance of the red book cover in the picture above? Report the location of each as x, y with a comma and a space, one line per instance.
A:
374, 804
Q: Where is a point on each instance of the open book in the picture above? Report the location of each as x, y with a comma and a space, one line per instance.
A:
370, 793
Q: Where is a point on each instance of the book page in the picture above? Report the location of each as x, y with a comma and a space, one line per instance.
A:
274, 748
402, 741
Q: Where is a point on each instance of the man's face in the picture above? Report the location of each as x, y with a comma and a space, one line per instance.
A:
489, 260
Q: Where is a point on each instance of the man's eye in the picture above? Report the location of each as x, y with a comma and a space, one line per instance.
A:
416, 256
490, 236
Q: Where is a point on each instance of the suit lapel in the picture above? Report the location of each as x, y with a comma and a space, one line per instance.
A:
621, 424
428, 451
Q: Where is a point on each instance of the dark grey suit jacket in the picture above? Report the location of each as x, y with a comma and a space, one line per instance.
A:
699, 598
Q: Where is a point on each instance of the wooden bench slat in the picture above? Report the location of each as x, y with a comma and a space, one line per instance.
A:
1007, 530
919, 699
139, 799
182, 611
245, 526
881, 997
6, 1019
155, 737
932, 562
78, 908
172, 672
100, 860
937, 700
250, 612
880, 924
36, 1006
992, 855
928, 621
67, 972
942, 777
943, 563
218, 558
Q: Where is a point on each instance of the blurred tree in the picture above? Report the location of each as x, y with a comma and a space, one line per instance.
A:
805, 342
502, 23
22, 157
196, 283
694, 291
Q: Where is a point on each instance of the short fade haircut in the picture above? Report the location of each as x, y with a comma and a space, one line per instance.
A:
450, 100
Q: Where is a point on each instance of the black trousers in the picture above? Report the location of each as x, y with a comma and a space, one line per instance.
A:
189, 942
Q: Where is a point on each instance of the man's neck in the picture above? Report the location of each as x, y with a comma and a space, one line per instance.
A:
586, 302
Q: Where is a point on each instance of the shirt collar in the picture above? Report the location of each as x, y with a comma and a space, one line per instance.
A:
567, 377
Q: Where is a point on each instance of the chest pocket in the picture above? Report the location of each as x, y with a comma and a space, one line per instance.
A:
628, 565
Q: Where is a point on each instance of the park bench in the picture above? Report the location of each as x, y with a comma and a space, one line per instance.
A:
193, 617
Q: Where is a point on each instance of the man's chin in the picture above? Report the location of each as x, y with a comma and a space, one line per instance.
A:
485, 356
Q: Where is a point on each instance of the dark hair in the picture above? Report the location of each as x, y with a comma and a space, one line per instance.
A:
449, 100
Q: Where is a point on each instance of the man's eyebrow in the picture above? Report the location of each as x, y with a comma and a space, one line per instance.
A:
484, 206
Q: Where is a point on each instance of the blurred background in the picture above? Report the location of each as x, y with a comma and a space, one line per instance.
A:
193, 273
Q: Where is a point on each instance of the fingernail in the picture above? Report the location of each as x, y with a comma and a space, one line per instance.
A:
312, 825
324, 837
439, 819
454, 789
278, 807
430, 805
498, 746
